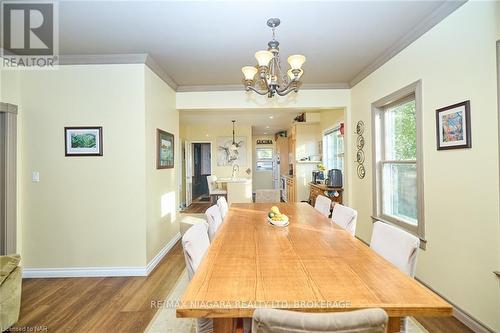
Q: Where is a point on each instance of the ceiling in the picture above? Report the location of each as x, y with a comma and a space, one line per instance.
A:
205, 43
263, 121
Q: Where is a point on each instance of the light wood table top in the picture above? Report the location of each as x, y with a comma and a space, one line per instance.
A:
311, 265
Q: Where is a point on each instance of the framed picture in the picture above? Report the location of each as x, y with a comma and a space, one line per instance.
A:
165, 150
453, 128
83, 141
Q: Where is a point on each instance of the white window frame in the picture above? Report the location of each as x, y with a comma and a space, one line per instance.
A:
327, 131
378, 108
257, 160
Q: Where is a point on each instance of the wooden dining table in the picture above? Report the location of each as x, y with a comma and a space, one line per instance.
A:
311, 265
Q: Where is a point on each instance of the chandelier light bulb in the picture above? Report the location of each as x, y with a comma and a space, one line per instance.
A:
292, 76
249, 72
296, 61
263, 57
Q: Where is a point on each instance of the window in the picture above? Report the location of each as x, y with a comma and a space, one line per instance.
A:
397, 162
333, 149
264, 159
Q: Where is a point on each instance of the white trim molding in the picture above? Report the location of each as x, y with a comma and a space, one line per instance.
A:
101, 271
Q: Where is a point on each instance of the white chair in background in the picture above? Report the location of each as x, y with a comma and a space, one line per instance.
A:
223, 207
396, 246
195, 243
345, 217
268, 320
323, 205
214, 220
267, 196
213, 191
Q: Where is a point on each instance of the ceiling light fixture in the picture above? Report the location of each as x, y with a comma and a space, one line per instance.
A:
271, 79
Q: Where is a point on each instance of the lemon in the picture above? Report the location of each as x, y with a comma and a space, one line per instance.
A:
275, 210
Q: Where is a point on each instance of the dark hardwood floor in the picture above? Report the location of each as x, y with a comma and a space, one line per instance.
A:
197, 207
114, 304
122, 304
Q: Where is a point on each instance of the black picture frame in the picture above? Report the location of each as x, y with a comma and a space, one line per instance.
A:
463, 127
165, 162
71, 150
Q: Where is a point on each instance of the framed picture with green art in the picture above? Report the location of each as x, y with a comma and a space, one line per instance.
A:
83, 141
165, 150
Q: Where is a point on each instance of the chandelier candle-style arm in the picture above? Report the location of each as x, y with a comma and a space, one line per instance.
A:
270, 76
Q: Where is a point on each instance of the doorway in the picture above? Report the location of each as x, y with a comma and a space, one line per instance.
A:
202, 161
8, 224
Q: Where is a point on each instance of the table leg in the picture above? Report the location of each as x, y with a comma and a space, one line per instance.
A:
394, 325
223, 325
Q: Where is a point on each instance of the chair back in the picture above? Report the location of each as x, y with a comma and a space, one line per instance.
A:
323, 205
396, 246
283, 321
214, 220
195, 244
211, 183
267, 196
345, 217
223, 207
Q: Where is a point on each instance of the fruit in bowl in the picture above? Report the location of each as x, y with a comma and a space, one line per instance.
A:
276, 217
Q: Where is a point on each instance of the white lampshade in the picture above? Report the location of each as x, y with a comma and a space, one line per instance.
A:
296, 61
291, 76
263, 57
249, 72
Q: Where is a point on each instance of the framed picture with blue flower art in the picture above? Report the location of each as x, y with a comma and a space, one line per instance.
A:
453, 128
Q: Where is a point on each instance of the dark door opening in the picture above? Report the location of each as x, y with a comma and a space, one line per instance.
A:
201, 169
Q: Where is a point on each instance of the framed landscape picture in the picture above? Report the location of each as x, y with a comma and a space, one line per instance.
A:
453, 129
165, 150
83, 141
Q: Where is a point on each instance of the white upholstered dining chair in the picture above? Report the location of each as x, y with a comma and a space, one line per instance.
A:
396, 246
345, 217
213, 191
323, 205
195, 243
223, 207
214, 220
282, 321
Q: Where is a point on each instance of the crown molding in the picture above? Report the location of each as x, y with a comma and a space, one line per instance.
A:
158, 70
241, 87
113, 59
425, 25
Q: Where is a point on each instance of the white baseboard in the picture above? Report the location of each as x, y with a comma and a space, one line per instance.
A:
462, 316
152, 264
101, 271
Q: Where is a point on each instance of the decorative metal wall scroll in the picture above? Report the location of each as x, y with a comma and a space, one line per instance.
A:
360, 155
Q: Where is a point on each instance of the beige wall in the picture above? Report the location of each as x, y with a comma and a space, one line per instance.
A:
161, 185
209, 134
456, 62
322, 98
331, 118
85, 211
111, 211
262, 179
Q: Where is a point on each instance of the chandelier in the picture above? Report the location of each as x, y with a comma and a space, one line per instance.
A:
271, 79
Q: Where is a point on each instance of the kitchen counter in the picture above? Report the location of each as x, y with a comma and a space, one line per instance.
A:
239, 190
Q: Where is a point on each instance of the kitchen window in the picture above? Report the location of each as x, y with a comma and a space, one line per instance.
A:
333, 149
398, 192
264, 159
